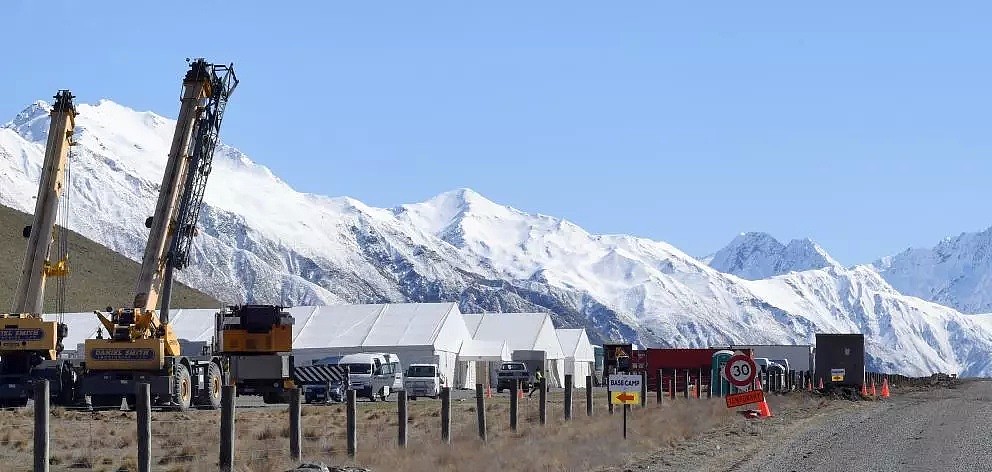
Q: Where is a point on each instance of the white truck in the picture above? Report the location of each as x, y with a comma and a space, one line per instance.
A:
373, 375
423, 380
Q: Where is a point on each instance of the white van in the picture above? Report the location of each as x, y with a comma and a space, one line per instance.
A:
373, 375
424, 380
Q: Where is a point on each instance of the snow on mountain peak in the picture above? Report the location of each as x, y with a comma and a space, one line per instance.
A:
32, 122
757, 255
957, 272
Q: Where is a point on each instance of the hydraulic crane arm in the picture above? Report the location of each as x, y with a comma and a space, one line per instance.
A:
206, 89
29, 297
196, 88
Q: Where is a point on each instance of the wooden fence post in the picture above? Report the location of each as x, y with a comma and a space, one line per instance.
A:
227, 428
446, 412
687, 382
658, 385
480, 410
143, 408
352, 424
644, 388
514, 391
609, 394
568, 397
588, 395
295, 432
402, 417
42, 448
542, 406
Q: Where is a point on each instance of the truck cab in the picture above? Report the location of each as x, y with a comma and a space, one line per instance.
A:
423, 380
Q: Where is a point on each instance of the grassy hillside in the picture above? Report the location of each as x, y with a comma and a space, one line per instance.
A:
98, 277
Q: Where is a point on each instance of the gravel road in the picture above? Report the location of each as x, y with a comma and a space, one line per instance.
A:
939, 429
942, 429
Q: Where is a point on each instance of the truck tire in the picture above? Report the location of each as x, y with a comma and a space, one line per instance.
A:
183, 388
210, 393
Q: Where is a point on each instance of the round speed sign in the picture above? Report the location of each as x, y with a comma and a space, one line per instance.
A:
740, 370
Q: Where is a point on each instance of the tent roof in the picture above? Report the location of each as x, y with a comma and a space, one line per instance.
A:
476, 350
401, 324
380, 325
521, 331
575, 344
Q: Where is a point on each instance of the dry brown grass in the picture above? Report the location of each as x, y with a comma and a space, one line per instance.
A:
188, 441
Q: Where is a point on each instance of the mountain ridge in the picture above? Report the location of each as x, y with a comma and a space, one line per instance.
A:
261, 241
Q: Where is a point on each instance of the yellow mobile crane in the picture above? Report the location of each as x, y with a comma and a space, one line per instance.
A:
29, 345
142, 348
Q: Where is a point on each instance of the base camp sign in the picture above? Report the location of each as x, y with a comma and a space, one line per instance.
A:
625, 389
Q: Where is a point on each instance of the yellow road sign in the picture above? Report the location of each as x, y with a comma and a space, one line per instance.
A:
625, 398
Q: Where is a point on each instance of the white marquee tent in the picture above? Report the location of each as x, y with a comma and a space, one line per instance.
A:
524, 333
416, 332
429, 333
579, 355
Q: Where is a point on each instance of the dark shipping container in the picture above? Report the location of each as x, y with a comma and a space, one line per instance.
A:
839, 360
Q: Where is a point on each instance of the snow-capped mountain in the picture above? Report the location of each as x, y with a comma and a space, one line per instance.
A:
261, 241
756, 256
957, 272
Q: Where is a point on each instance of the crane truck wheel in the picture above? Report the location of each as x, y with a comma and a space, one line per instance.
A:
184, 388
210, 394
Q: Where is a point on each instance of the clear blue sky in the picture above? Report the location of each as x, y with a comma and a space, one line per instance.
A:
865, 127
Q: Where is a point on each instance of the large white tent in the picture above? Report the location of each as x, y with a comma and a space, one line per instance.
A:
579, 355
525, 334
430, 333
415, 332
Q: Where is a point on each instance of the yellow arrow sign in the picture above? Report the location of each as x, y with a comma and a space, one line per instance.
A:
625, 398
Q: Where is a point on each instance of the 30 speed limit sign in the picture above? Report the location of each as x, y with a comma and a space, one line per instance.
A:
740, 370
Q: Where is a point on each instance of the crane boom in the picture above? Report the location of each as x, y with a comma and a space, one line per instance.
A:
30, 345
29, 297
142, 344
196, 87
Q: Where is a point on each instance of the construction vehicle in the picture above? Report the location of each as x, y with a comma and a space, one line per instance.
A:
141, 346
29, 345
256, 344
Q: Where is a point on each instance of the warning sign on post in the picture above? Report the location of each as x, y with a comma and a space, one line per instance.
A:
746, 398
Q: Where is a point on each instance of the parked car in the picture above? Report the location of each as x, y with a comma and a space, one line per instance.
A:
423, 380
334, 391
510, 373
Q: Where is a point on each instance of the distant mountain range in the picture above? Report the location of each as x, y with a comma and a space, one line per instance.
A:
262, 241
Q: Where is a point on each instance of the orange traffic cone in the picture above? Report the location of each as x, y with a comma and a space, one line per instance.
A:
885, 387
489, 391
520, 392
821, 383
809, 385
763, 409
864, 389
873, 392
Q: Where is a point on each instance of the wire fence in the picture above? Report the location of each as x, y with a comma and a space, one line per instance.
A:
106, 439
